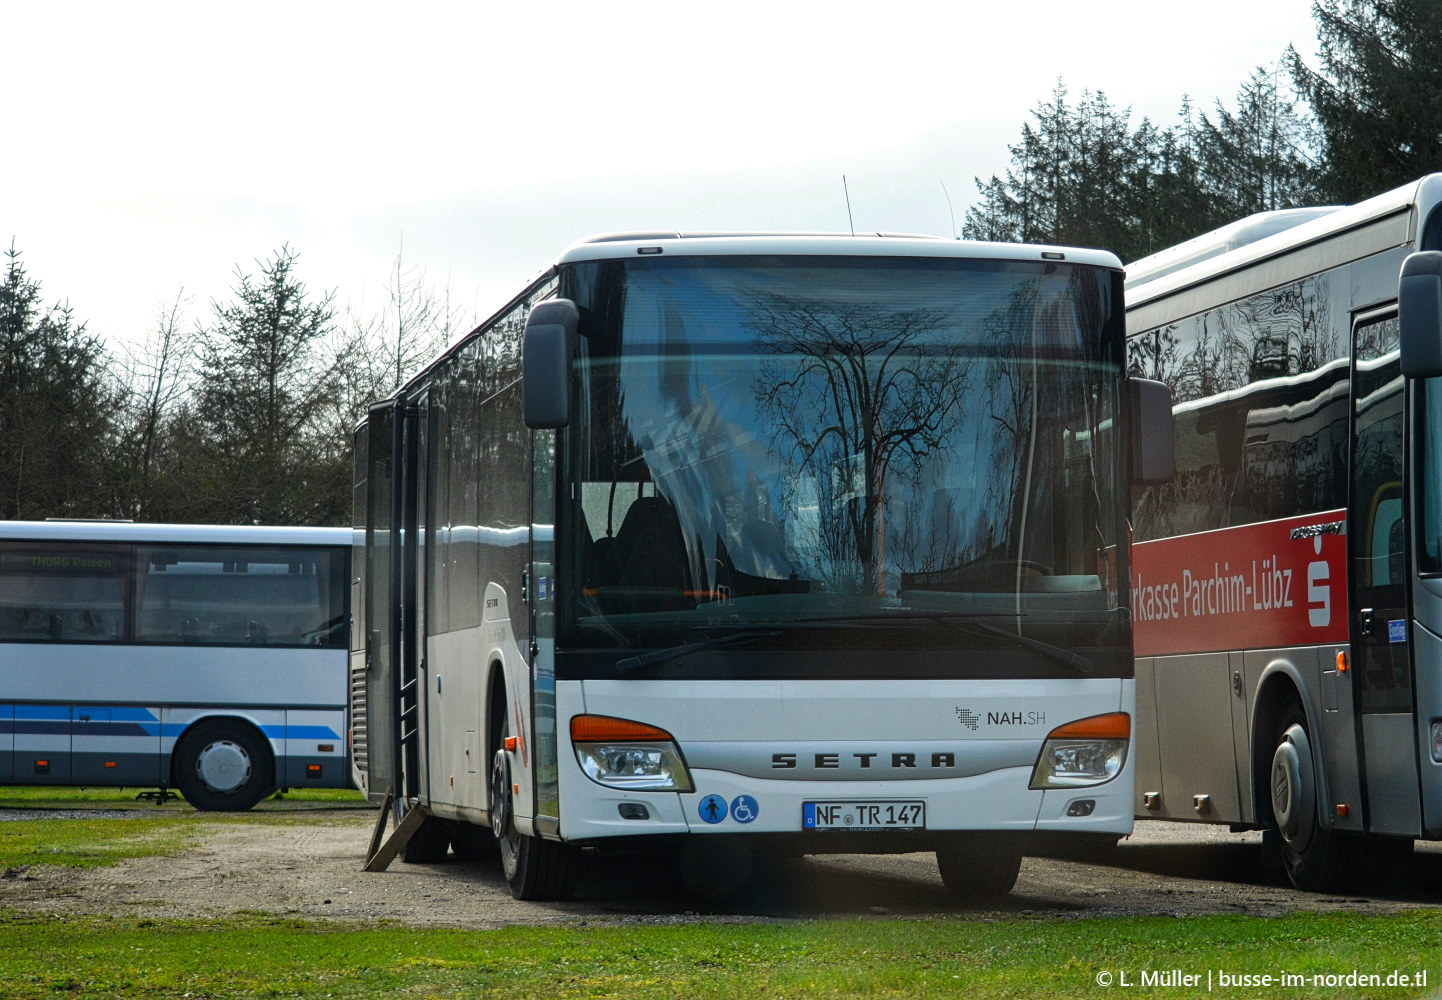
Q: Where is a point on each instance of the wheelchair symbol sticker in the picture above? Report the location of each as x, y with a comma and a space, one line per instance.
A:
744, 809
712, 809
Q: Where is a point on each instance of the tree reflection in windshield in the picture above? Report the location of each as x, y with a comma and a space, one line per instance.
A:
855, 400
761, 441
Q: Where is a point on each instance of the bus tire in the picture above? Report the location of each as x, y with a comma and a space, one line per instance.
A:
1314, 859
534, 868
223, 766
983, 867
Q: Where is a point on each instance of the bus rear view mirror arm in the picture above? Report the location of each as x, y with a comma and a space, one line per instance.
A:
1419, 314
549, 346
1151, 431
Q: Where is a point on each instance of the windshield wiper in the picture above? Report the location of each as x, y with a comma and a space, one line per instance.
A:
1076, 661
686, 649
745, 633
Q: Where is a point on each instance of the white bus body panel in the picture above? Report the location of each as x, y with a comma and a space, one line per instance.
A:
458, 669
122, 717
196, 675
728, 732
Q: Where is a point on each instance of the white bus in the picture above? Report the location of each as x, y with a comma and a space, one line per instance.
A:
205, 659
1287, 581
724, 544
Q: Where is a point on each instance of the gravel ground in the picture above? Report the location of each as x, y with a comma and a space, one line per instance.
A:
313, 869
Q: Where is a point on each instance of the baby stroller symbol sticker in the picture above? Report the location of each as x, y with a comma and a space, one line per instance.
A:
712, 809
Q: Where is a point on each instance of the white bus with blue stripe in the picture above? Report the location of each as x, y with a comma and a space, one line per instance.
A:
200, 658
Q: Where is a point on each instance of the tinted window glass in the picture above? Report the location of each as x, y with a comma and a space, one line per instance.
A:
763, 439
1260, 388
239, 595
62, 592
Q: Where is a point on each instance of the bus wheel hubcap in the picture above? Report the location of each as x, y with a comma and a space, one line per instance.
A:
223, 766
1293, 795
501, 796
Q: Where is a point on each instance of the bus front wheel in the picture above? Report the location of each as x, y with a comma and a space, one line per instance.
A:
981, 868
534, 868
223, 766
1314, 859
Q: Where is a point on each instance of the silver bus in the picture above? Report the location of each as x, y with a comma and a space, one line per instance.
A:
1287, 581
205, 659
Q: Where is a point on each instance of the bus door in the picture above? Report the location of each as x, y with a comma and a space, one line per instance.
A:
1377, 552
416, 686
381, 613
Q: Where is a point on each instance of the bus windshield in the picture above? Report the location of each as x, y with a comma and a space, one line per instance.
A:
770, 441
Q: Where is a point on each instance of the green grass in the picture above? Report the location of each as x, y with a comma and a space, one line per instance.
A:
40, 797
86, 843
256, 955
162, 829
1014, 958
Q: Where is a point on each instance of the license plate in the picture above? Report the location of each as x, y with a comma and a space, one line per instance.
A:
863, 815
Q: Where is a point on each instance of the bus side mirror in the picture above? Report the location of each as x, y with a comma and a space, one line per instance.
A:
1419, 314
549, 346
1151, 431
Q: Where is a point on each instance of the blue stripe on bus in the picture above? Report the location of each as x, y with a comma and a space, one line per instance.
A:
42, 712
57, 720
311, 733
37, 727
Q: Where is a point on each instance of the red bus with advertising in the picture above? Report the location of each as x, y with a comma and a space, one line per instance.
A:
1287, 581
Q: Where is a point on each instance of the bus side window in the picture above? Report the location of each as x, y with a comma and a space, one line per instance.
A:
60, 592
1387, 543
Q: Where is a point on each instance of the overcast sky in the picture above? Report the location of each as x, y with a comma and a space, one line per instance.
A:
151, 148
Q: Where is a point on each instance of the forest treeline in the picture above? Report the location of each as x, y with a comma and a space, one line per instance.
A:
1368, 118
246, 416
243, 418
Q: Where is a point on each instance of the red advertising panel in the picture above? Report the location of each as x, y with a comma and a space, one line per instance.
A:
1280, 583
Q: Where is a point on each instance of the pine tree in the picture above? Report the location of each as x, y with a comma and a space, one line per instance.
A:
266, 380
1377, 94
56, 402
1258, 158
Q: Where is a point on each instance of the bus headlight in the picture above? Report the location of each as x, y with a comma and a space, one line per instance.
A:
1086, 752
619, 753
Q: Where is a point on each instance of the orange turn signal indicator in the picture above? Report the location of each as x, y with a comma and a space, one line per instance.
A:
1112, 726
598, 728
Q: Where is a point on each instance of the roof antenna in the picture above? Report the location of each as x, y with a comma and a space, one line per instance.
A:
847, 192
949, 208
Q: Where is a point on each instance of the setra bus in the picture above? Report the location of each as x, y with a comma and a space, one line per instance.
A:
725, 544
1287, 581
201, 658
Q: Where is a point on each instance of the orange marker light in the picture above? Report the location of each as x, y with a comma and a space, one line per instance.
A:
597, 728
1341, 661
1113, 726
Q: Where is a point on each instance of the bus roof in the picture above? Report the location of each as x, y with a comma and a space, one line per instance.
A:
166, 534
624, 246
1380, 223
